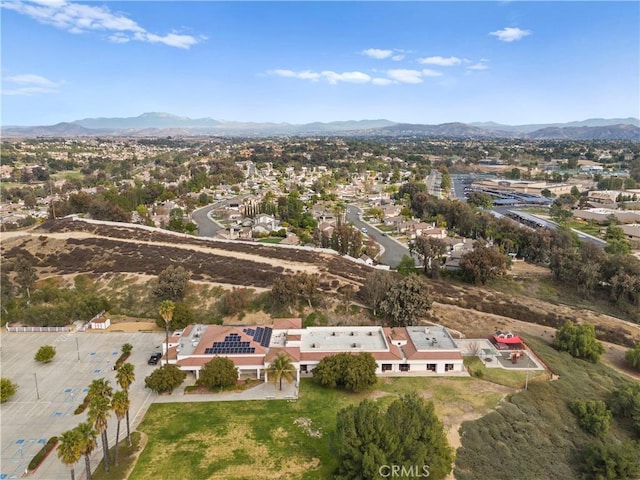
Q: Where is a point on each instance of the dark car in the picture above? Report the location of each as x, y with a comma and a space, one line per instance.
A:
154, 359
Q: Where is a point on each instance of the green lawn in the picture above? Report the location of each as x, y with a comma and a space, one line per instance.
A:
270, 240
260, 439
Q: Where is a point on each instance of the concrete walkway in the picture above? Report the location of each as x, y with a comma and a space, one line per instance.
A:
263, 391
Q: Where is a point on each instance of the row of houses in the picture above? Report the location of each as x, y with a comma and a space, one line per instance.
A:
427, 350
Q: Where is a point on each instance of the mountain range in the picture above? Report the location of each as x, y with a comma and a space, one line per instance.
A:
166, 124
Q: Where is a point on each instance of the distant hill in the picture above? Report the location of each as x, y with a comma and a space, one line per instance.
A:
166, 124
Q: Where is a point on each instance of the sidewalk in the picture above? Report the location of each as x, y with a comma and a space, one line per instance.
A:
264, 391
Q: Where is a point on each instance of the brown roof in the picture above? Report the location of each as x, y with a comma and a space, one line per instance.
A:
217, 333
293, 338
285, 323
292, 352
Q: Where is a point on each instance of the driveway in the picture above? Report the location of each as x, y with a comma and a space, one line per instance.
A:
48, 394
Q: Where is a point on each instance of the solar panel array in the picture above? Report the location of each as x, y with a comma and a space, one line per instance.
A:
262, 335
232, 344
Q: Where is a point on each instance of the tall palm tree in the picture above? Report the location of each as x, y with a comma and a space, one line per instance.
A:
69, 449
280, 368
120, 406
100, 393
88, 443
125, 377
166, 312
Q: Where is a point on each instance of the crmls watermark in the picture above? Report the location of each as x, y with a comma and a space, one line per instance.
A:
404, 471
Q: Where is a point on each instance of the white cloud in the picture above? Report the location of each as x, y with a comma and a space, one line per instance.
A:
510, 34
478, 66
377, 53
382, 81
405, 76
350, 77
431, 73
304, 75
78, 18
397, 58
30, 84
441, 61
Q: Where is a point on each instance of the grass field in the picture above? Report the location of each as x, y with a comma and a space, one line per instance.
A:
280, 439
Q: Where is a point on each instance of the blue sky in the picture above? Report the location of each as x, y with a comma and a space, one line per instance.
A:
420, 62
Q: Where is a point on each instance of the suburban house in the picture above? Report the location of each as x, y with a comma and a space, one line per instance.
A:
423, 350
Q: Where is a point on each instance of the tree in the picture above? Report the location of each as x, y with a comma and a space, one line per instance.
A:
611, 461
375, 288
593, 416
7, 389
407, 265
87, 435
407, 434
406, 302
218, 372
120, 404
429, 250
125, 377
165, 379
282, 293
633, 357
579, 340
69, 449
45, 354
617, 243
483, 264
99, 395
625, 403
347, 371
173, 282
25, 274
127, 348
166, 313
280, 368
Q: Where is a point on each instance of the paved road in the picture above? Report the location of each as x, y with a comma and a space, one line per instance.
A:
393, 250
206, 226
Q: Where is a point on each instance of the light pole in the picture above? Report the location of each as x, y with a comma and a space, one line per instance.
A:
37, 392
78, 348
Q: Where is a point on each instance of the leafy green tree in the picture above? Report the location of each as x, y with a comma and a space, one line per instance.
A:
281, 368
632, 356
7, 389
125, 377
617, 243
407, 434
593, 416
406, 302
219, 372
483, 264
625, 403
611, 461
127, 348
173, 282
45, 354
120, 404
68, 449
579, 340
375, 288
407, 265
429, 250
348, 371
479, 199
182, 316
25, 274
165, 379
87, 435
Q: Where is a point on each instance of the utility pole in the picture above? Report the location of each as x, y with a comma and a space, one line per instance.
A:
37, 392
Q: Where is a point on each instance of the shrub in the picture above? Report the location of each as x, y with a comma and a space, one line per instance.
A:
579, 340
344, 370
165, 379
45, 354
7, 389
218, 372
42, 454
593, 416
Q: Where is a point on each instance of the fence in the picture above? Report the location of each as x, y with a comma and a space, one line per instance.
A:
38, 329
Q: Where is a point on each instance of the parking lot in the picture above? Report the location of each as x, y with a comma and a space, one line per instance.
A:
48, 394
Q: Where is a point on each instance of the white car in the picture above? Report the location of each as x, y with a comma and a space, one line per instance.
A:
363, 230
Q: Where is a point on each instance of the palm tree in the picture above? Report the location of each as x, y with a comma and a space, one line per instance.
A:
125, 377
280, 368
69, 449
166, 312
120, 406
100, 393
88, 443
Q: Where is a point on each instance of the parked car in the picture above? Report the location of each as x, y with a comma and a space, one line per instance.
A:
154, 358
364, 230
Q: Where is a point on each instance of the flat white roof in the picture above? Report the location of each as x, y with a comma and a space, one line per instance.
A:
343, 339
432, 337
